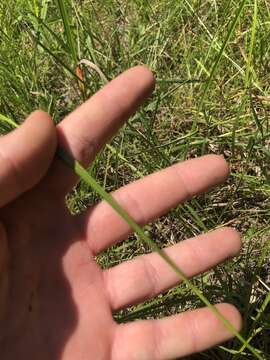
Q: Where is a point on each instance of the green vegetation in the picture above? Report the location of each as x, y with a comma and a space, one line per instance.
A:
211, 61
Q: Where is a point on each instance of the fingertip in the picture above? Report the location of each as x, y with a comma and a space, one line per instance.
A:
147, 75
39, 114
224, 165
43, 123
232, 314
234, 237
219, 165
39, 127
26, 154
141, 78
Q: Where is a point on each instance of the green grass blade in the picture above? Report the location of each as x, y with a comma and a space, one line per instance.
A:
51, 32
227, 39
196, 217
36, 7
251, 47
252, 332
255, 116
44, 9
8, 121
120, 156
68, 30
58, 61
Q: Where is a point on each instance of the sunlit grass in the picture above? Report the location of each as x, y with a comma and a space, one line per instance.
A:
212, 53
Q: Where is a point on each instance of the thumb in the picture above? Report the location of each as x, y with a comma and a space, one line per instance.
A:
25, 155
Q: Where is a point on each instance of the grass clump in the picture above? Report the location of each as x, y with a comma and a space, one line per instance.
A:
212, 96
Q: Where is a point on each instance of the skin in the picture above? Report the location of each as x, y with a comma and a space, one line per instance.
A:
55, 302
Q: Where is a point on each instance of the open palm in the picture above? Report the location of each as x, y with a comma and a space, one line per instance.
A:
55, 301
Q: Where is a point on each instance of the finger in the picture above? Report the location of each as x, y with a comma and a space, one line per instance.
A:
149, 275
151, 197
84, 132
175, 336
25, 155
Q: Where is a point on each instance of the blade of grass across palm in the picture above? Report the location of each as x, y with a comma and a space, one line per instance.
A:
221, 51
89, 180
84, 175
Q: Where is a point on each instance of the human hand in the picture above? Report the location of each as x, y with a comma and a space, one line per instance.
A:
55, 301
